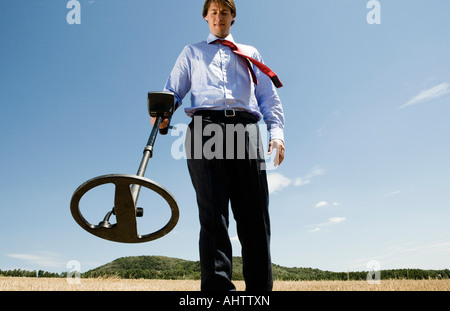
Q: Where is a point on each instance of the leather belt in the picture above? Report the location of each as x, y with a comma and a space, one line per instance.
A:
227, 113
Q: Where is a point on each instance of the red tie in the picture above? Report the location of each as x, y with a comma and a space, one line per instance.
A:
266, 70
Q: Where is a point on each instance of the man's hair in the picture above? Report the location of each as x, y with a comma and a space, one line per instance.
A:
228, 3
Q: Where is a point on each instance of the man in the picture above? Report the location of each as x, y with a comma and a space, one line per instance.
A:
227, 91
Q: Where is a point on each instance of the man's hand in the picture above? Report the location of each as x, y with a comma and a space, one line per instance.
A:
279, 145
164, 123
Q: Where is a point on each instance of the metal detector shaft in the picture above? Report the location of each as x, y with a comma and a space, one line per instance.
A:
148, 153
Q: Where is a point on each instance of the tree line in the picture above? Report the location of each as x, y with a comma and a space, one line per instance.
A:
180, 274
157, 267
34, 273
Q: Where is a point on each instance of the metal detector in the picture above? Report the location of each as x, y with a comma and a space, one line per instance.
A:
127, 187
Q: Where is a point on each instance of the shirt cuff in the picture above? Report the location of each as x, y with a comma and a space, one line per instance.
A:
276, 133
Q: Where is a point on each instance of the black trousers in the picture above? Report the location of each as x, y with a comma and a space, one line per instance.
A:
229, 168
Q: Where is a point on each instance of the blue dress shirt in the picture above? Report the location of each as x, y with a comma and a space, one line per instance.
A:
219, 79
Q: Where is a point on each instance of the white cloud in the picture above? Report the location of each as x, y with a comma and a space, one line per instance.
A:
428, 94
278, 182
398, 256
329, 222
335, 220
392, 193
315, 171
325, 203
46, 259
316, 229
321, 204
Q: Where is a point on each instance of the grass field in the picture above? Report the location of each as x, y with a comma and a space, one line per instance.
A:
111, 284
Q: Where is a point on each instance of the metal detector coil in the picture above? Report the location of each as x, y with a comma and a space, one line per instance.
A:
127, 187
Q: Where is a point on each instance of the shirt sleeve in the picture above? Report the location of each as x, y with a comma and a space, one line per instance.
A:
179, 81
269, 103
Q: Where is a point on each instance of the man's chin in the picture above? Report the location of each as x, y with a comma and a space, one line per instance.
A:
221, 34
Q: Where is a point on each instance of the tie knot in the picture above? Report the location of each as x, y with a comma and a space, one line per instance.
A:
230, 44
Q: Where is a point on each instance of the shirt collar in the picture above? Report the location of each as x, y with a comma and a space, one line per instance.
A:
211, 38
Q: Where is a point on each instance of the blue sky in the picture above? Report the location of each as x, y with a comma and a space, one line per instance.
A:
366, 174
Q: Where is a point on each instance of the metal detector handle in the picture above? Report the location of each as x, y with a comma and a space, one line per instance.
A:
152, 138
148, 153
165, 130
160, 105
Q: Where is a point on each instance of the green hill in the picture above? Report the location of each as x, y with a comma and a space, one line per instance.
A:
159, 267
148, 267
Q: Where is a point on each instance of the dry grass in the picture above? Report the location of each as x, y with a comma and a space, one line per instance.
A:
111, 284
385, 285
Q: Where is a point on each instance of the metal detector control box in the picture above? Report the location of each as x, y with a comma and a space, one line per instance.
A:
161, 104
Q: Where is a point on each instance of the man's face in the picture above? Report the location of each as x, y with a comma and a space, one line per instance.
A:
219, 19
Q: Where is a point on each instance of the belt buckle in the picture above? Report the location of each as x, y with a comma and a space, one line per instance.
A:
229, 113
